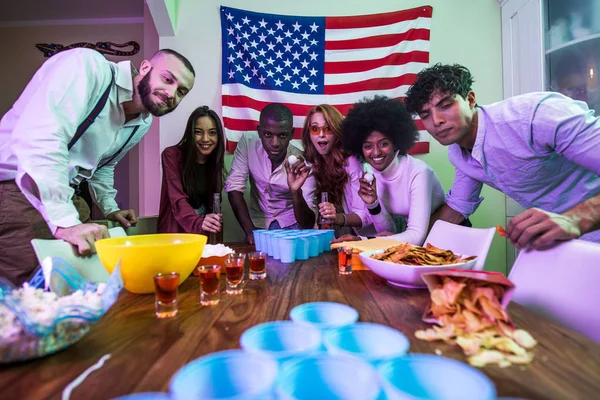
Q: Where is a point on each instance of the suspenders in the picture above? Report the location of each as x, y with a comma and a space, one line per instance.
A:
89, 120
95, 111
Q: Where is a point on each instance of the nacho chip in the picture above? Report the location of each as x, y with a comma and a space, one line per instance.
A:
470, 314
409, 254
500, 230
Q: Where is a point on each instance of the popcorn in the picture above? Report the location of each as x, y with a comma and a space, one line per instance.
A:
216, 250
369, 178
292, 160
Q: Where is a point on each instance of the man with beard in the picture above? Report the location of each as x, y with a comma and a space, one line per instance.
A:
77, 117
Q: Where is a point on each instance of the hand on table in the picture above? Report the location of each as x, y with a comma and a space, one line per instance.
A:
124, 217
541, 229
83, 236
346, 238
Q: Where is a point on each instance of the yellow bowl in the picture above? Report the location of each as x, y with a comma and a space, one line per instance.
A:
144, 256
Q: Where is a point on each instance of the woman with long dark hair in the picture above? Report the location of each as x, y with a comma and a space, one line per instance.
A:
335, 172
192, 174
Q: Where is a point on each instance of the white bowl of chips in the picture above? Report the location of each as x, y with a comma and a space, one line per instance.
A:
412, 262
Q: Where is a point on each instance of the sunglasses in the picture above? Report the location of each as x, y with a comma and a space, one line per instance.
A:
316, 129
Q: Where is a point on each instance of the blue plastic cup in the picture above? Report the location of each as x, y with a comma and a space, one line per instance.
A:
231, 374
259, 242
302, 247
369, 342
267, 242
145, 396
330, 234
277, 245
281, 340
324, 315
327, 377
288, 248
425, 376
313, 243
323, 242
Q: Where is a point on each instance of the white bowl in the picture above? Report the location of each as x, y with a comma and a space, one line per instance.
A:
408, 276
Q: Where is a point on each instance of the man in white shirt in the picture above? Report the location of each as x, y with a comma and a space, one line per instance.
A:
77, 117
278, 198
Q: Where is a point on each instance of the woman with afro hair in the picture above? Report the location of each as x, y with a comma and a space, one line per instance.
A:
380, 131
334, 171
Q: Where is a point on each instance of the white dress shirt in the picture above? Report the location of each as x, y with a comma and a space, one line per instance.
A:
35, 132
270, 195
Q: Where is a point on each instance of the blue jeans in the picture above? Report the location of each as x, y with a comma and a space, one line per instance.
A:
275, 225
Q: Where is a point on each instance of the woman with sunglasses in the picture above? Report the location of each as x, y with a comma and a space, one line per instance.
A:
192, 174
380, 131
334, 171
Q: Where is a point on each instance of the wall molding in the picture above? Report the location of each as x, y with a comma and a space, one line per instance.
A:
64, 22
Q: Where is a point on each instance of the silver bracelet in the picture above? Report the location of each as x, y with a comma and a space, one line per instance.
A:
345, 220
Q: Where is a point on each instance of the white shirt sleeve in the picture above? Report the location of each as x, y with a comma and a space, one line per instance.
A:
420, 193
464, 196
60, 97
353, 204
238, 176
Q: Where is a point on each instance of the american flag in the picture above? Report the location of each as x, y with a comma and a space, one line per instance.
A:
305, 61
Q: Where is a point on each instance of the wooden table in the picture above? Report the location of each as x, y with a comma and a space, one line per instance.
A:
146, 352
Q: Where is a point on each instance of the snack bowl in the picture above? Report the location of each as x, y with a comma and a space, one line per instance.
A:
326, 377
430, 377
36, 323
144, 256
281, 339
408, 276
229, 374
367, 341
324, 315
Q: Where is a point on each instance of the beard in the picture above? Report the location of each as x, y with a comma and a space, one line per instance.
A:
145, 91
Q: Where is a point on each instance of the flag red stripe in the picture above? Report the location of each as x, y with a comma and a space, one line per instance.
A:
371, 84
367, 21
418, 148
297, 109
249, 125
377, 41
341, 67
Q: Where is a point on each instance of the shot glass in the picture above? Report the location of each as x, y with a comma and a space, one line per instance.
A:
345, 260
235, 255
165, 294
258, 265
209, 284
234, 272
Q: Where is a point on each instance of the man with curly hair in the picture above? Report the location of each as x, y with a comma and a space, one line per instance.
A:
541, 149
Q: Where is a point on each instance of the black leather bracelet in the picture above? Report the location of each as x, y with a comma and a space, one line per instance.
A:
376, 210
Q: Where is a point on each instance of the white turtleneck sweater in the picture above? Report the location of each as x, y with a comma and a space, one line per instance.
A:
408, 187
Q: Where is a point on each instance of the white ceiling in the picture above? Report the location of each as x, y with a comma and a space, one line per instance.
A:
44, 10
